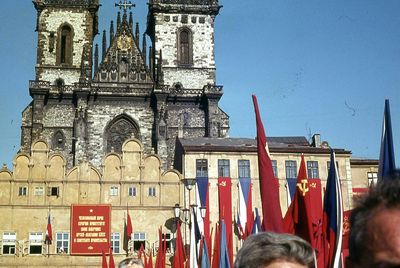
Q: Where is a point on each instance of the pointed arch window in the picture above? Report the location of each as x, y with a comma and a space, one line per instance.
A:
58, 140
185, 47
64, 46
118, 131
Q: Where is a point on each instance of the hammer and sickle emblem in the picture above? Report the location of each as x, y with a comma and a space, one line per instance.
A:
223, 183
303, 187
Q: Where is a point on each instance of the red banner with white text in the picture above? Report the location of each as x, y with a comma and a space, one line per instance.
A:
90, 229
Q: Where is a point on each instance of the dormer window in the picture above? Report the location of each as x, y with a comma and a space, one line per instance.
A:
185, 47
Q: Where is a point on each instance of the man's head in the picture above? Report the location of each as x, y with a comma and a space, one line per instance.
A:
375, 227
270, 250
131, 263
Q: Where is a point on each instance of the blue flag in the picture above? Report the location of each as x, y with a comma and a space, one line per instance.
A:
223, 255
257, 223
204, 261
387, 164
332, 222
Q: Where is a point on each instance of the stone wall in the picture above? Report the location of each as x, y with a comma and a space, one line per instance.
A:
202, 71
50, 21
101, 113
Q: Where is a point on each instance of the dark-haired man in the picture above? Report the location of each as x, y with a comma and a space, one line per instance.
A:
375, 227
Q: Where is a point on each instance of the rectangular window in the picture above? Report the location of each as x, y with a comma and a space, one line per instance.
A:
152, 191
115, 242
275, 167
223, 168
312, 169
132, 191
23, 191
244, 168
9, 242
39, 191
291, 169
201, 168
35, 243
167, 238
62, 242
372, 178
113, 190
139, 239
328, 165
53, 191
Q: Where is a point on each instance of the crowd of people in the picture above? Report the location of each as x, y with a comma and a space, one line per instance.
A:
374, 237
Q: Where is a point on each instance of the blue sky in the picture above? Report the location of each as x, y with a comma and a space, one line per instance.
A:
316, 67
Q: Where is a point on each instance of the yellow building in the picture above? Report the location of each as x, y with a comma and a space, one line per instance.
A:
237, 157
40, 183
364, 173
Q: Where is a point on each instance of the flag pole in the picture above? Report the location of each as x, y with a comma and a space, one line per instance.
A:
47, 242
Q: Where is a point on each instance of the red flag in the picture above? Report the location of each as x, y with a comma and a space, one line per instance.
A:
298, 219
165, 250
49, 231
111, 262
317, 212
160, 260
104, 260
150, 262
215, 257
269, 185
129, 229
145, 259
225, 211
179, 255
141, 251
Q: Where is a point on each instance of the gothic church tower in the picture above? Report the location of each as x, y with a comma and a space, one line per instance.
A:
65, 34
88, 99
182, 35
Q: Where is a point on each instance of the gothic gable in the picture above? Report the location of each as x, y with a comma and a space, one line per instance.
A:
123, 62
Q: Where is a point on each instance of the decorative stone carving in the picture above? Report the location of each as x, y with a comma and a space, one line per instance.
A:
118, 133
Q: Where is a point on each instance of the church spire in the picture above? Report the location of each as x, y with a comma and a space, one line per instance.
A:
151, 62
104, 45
111, 32
137, 33
96, 58
131, 21
144, 47
118, 20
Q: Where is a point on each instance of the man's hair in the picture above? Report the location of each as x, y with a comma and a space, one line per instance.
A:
385, 195
130, 261
262, 249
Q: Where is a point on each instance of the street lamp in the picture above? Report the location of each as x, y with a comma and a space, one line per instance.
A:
189, 183
186, 215
203, 211
177, 211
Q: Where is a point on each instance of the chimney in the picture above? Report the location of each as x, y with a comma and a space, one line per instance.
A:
316, 140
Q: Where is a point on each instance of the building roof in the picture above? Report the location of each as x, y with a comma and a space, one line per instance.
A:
293, 144
363, 161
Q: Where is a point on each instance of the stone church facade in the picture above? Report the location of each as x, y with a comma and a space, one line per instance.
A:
87, 99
